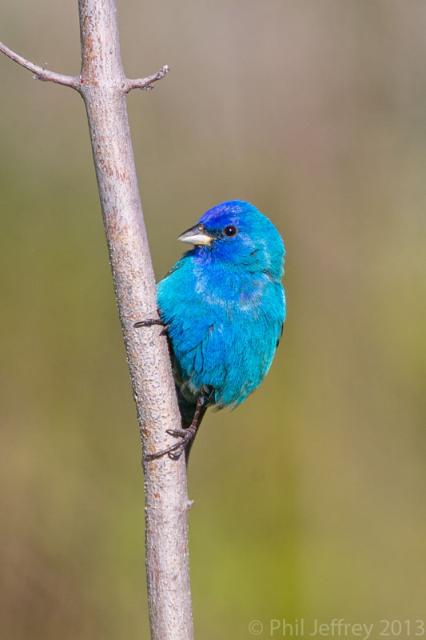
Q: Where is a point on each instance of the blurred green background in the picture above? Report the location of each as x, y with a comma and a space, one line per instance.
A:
309, 500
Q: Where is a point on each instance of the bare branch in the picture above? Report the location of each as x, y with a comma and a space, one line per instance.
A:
103, 87
146, 83
39, 72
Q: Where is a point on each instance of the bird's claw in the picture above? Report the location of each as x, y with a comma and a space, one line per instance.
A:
175, 450
175, 455
151, 322
177, 433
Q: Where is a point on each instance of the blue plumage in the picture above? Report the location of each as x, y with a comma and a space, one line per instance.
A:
223, 305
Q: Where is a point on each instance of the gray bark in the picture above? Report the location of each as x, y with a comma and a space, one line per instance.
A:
103, 87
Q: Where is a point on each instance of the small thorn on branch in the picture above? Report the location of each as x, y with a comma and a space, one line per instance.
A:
40, 73
148, 82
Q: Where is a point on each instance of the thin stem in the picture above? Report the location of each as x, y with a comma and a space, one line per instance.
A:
146, 83
40, 73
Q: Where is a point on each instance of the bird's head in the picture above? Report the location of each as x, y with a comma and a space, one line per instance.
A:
237, 233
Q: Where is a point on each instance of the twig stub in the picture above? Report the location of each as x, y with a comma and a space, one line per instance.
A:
45, 75
148, 82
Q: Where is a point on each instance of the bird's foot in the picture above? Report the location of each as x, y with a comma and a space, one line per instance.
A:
186, 435
175, 450
151, 322
148, 323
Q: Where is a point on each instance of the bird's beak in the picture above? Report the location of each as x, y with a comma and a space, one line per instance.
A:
196, 235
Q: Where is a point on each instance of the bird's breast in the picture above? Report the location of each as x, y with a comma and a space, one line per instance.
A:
223, 326
230, 289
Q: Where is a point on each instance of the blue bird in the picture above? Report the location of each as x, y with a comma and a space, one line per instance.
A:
223, 307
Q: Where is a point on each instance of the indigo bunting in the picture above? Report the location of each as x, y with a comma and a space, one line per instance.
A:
223, 307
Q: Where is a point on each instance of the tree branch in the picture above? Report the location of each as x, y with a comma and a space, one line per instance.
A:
146, 83
104, 88
39, 72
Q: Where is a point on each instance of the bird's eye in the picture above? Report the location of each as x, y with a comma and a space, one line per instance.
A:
230, 230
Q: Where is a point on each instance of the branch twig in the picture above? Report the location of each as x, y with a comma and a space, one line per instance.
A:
146, 83
40, 73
